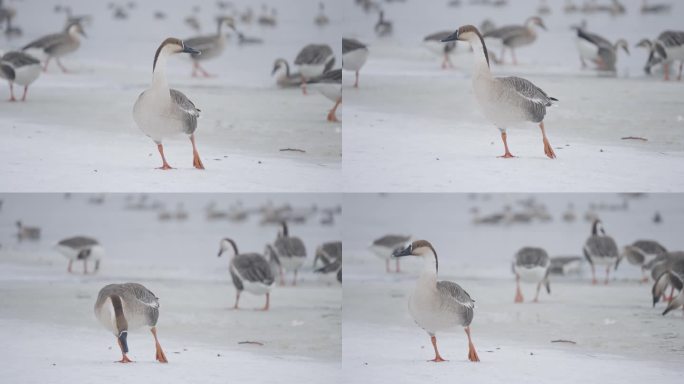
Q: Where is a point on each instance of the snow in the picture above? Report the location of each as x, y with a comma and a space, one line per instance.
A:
413, 127
76, 131
619, 336
50, 331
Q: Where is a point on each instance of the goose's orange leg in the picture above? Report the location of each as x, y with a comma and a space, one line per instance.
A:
160, 356
438, 358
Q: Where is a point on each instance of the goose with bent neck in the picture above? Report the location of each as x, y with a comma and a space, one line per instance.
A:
438, 305
161, 111
505, 101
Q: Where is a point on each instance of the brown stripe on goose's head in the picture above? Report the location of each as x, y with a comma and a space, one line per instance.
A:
225, 244
172, 46
471, 34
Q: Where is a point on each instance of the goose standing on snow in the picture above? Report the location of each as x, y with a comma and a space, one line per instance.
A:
313, 61
505, 101
599, 50
531, 265
249, 271
385, 246
122, 307
438, 305
208, 47
286, 252
81, 248
435, 44
57, 45
640, 253
354, 56
515, 36
666, 49
161, 111
383, 27
600, 249
330, 86
673, 276
20, 68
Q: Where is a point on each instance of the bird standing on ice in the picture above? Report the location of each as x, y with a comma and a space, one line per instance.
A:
505, 101
286, 252
160, 111
249, 271
81, 248
515, 36
531, 265
330, 86
438, 305
20, 68
121, 307
354, 56
57, 45
600, 249
210, 46
385, 246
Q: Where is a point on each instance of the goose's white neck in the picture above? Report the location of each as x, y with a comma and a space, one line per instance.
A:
159, 73
429, 273
481, 64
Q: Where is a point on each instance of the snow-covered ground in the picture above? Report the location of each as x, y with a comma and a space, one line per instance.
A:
77, 133
414, 127
619, 336
47, 321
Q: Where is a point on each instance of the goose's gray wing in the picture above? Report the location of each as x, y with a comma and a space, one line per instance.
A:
333, 249
330, 77
146, 303
349, 45
19, 59
290, 247
527, 96
46, 43
254, 268
532, 257
313, 54
455, 297
650, 247
672, 38
391, 241
601, 246
506, 32
187, 112
439, 36
78, 242
593, 38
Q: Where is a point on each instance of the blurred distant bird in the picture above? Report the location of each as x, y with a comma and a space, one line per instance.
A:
543, 8
640, 253
434, 43
657, 219
210, 46
354, 56
247, 16
531, 265
666, 49
321, 19
330, 85
57, 45
569, 215
20, 68
267, 19
384, 246
281, 70
30, 233
159, 15
598, 50
655, 8
161, 111
600, 249
514, 36
122, 307
438, 305
286, 252
505, 101
81, 248
120, 13
668, 273
314, 60
383, 27
249, 271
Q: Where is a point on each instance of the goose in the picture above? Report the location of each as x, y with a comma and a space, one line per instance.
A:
266, 19
334, 267
30, 233
20, 68
314, 60
321, 19
659, 266
600, 249
655, 8
438, 305
328, 253
640, 253
57, 45
284, 78
160, 111
434, 43
81, 248
515, 36
383, 27
668, 48
565, 265
249, 271
354, 56
330, 86
531, 265
123, 307
504, 100
673, 276
385, 246
286, 252
598, 49
210, 46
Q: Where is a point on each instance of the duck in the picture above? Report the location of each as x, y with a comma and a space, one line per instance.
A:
515, 36
161, 111
600, 249
505, 100
640, 253
438, 305
354, 57
123, 307
19, 68
249, 271
208, 47
385, 246
313, 61
383, 27
81, 248
330, 85
57, 45
531, 265
286, 252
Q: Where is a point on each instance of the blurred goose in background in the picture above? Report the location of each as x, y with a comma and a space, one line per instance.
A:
674, 276
659, 267
208, 47
28, 233
565, 265
286, 252
267, 19
438, 305
249, 271
655, 8
313, 61
81, 248
247, 16
284, 78
122, 307
514, 36
600, 249
56, 45
385, 246
328, 253
531, 265
19, 68
435, 44
321, 19
598, 50
666, 49
640, 253
161, 111
354, 56
383, 27
505, 101
330, 86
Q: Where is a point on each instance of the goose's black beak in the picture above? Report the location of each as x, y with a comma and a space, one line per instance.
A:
399, 252
452, 37
220, 252
189, 50
122, 339
275, 68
